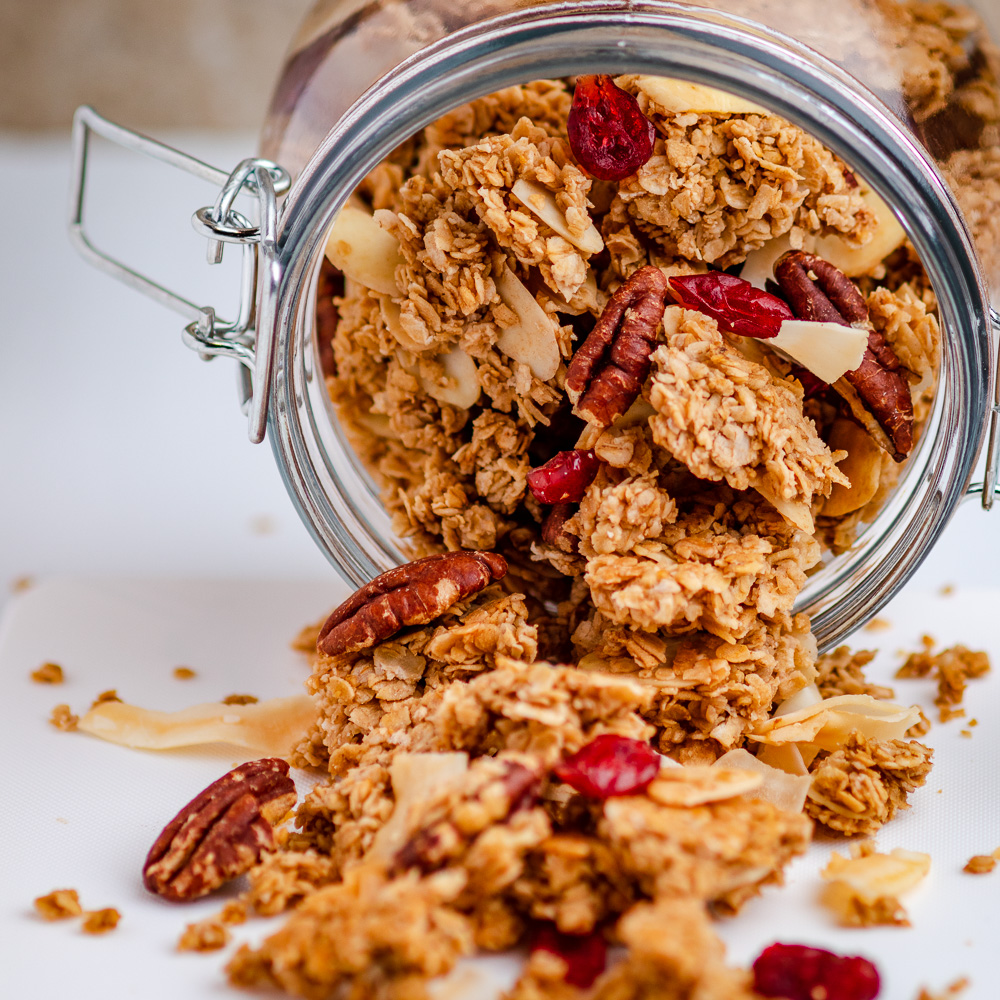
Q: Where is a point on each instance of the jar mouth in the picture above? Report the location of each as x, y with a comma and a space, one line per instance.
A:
335, 495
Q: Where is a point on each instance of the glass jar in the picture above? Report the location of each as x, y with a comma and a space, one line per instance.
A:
363, 77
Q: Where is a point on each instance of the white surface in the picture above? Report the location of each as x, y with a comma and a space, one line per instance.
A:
81, 813
121, 452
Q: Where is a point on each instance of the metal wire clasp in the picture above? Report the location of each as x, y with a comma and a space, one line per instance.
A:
220, 223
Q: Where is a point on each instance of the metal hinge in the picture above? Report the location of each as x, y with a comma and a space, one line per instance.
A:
220, 223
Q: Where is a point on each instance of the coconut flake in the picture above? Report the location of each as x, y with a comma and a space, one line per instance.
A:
271, 727
781, 789
532, 340
415, 778
828, 724
695, 785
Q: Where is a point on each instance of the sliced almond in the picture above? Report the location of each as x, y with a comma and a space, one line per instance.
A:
460, 385
856, 260
541, 201
272, 727
638, 413
363, 250
681, 97
696, 785
780, 788
391, 317
862, 466
796, 512
532, 340
377, 423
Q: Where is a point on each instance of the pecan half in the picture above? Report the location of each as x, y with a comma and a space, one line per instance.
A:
554, 531
606, 374
220, 833
413, 594
816, 290
514, 788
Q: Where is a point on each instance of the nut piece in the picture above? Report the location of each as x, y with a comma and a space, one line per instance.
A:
221, 833
816, 290
606, 374
554, 531
413, 594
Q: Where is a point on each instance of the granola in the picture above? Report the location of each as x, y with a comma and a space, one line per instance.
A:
861, 787
48, 673
59, 904
493, 303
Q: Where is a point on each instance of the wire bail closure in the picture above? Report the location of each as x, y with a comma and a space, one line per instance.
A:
207, 334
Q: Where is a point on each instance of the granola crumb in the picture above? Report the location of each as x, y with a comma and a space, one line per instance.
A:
947, 590
48, 673
950, 991
952, 668
842, 672
204, 935
980, 864
110, 695
100, 921
878, 625
234, 912
240, 699
62, 718
184, 673
59, 904
967, 733
21, 583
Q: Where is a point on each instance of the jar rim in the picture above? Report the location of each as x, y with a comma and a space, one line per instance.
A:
707, 47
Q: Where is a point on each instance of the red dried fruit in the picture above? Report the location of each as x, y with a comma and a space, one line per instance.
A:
610, 765
564, 478
585, 955
736, 305
797, 972
610, 137
812, 385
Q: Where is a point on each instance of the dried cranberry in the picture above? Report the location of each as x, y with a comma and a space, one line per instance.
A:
564, 478
736, 305
797, 972
585, 955
812, 385
610, 765
610, 137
